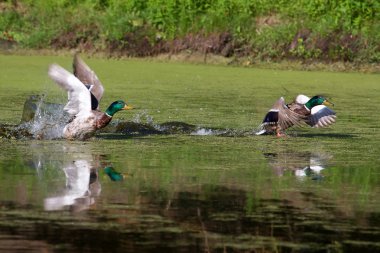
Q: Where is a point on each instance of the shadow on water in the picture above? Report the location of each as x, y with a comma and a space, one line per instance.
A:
328, 135
125, 129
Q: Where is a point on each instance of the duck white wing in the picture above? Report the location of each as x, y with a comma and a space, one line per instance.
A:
321, 116
79, 97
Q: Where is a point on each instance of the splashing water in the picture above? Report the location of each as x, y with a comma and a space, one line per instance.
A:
43, 120
138, 118
203, 131
208, 131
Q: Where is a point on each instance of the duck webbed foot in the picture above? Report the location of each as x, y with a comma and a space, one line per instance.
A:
280, 133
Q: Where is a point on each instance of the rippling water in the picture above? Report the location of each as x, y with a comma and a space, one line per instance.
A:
175, 193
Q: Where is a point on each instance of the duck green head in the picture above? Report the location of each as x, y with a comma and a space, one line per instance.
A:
113, 174
117, 106
318, 100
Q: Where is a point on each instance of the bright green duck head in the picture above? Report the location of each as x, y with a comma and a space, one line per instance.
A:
117, 106
113, 174
318, 100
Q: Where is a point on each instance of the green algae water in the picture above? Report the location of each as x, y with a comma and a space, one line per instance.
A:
314, 191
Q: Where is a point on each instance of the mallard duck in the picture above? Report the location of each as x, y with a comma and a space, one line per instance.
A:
84, 94
303, 110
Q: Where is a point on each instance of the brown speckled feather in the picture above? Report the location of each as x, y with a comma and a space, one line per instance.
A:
286, 117
102, 119
299, 109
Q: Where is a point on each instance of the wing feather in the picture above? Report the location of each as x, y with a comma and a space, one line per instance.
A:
88, 77
79, 98
286, 117
321, 116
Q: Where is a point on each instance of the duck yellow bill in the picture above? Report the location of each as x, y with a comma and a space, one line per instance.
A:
327, 103
127, 107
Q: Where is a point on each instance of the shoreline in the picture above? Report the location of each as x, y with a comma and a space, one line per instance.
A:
213, 59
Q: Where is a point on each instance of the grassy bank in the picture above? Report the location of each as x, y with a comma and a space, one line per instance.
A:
257, 30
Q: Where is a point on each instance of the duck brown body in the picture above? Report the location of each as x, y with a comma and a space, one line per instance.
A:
299, 109
82, 128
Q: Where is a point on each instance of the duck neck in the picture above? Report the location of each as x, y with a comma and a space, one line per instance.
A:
109, 113
111, 110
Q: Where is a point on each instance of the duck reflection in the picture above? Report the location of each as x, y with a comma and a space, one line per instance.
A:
302, 164
81, 170
82, 187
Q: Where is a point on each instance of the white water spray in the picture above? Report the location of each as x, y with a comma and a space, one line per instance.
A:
48, 120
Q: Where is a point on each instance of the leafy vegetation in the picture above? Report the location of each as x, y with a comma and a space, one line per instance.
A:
342, 30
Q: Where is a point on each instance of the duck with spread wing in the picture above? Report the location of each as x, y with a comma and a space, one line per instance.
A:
303, 110
84, 94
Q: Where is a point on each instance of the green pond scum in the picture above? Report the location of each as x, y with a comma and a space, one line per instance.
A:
189, 189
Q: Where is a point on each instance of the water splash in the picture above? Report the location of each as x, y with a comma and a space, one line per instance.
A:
139, 118
42, 120
203, 131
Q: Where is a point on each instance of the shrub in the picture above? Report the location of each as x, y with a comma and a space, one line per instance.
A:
263, 28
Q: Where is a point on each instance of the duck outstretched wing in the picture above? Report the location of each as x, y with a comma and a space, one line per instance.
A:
79, 98
282, 116
321, 116
286, 117
88, 77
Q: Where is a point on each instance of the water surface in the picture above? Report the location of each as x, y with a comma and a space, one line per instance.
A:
186, 191
184, 194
